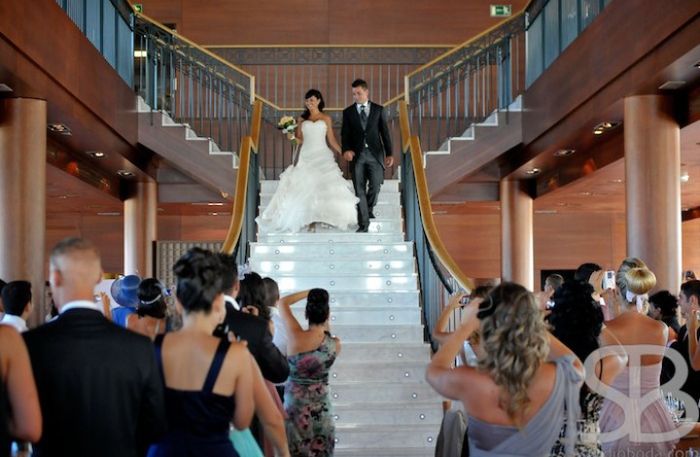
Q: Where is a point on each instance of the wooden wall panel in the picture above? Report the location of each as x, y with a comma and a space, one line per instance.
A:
326, 21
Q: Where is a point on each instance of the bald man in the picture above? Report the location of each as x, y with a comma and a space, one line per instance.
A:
99, 386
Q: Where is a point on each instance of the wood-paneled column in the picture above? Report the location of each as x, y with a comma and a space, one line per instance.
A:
140, 229
23, 195
653, 187
517, 258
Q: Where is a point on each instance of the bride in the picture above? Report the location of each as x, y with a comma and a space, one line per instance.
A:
313, 190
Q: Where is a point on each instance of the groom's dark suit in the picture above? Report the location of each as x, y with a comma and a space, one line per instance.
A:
370, 141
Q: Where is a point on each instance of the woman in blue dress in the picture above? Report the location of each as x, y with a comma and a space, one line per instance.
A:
208, 380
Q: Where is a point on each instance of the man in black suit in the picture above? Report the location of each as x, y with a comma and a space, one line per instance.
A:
367, 146
273, 364
689, 303
99, 386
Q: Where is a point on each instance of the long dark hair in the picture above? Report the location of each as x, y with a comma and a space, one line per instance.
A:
321, 104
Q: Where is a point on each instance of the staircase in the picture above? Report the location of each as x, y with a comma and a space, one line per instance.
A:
382, 404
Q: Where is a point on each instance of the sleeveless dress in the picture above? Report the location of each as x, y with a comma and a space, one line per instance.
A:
538, 436
198, 421
312, 191
647, 415
309, 425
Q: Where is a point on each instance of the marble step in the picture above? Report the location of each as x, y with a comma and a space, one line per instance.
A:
391, 185
359, 352
330, 237
388, 452
381, 210
365, 282
402, 392
375, 226
378, 333
384, 315
341, 251
370, 299
386, 436
401, 371
332, 266
379, 413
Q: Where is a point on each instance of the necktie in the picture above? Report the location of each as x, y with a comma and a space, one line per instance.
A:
363, 117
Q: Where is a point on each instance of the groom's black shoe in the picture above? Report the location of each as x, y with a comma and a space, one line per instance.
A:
371, 215
361, 230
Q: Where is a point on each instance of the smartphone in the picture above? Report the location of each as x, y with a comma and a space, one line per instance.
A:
609, 280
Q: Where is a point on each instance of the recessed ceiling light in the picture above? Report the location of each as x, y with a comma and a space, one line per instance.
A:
125, 174
96, 154
5, 88
533, 171
59, 128
685, 177
604, 127
585, 194
140, 54
616, 181
215, 204
564, 152
672, 85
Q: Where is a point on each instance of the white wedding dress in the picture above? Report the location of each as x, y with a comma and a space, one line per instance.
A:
312, 191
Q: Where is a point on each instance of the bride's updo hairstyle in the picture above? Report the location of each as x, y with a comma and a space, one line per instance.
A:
317, 309
198, 274
321, 104
515, 343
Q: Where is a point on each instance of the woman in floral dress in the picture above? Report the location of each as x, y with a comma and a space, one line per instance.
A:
311, 353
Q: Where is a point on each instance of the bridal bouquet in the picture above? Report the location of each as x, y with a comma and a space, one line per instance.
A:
288, 125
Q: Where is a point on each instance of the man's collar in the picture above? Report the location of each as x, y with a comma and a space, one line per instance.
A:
232, 301
84, 304
15, 321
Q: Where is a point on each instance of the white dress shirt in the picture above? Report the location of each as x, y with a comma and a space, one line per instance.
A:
366, 105
14, 321
85, 304
279, 339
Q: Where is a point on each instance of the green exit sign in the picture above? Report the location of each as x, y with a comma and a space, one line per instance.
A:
139, 7
501, 10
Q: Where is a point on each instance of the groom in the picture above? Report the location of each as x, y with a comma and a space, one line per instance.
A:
367, 146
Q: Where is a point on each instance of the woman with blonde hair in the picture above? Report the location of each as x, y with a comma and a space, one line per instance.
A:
526, 381
639, 334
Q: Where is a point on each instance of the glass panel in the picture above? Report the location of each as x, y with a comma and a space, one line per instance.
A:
125, 40
589, 11
551, 32
534, 50
92, 23
569, 22
109, 33
75, 12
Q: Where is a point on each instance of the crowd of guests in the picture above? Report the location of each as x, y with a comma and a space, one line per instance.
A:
222, 367
576, 369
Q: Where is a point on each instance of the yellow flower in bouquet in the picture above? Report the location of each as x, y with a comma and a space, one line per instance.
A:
288, 125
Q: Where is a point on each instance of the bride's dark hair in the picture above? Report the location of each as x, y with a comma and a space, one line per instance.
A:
321, 104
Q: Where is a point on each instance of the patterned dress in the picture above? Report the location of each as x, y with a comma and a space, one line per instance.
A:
587, 430
310, 428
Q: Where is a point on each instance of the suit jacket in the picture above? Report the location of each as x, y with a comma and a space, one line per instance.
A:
376, 135
273, 364
100, 390
691, 386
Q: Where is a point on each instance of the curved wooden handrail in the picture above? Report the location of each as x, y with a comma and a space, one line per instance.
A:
412, 146
249, 146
